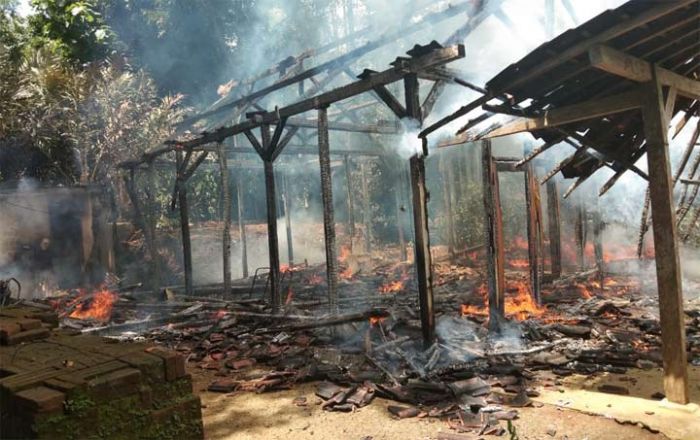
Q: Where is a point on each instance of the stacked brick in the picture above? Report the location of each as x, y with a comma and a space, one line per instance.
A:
60, 385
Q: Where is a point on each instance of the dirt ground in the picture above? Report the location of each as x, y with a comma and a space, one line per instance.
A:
273, 416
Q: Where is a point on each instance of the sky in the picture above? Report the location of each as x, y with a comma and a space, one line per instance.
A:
23, 8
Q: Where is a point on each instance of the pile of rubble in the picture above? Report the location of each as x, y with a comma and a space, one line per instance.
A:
374, 349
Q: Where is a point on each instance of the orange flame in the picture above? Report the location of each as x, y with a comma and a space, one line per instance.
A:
519, 263
97, 307
374, 320
344, 253
520, 306
391, 287
346, 274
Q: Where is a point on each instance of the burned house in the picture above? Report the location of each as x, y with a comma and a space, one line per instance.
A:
467, 330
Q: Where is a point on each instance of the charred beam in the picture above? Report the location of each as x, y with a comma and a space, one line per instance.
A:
422, 249
494, 239
324, 160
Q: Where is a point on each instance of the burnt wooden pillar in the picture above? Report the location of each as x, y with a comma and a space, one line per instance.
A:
554, 228
534, 242
241, 225
286, 205
184, 225
495, 277
349, 199
324, 159
424, 270
226, 207
668, 270
366, 206
422, 248
272, 239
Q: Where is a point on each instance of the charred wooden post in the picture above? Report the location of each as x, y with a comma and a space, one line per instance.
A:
668, 270
241, 226
422, 248
272, 239
494, 239
554, 228
424, 269
184, 226
286, 205
534, 239
349, 199
366, 209
324, 159
226, 235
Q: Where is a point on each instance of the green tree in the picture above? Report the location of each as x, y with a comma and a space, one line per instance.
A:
73, 29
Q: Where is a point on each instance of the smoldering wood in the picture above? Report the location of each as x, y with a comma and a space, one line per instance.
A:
422, 249
272, 240
534, 231
405, 69
328, 214
495, 276
336, 63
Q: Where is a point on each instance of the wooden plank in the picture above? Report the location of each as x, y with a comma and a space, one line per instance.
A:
324, 160
668, 270
627, 66
532, 201
494, 239
569, 114
422, 249
554, 228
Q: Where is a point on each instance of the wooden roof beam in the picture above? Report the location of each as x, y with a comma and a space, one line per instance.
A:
569, 114
619, 63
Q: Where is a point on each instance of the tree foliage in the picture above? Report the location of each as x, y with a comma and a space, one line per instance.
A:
73, 29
